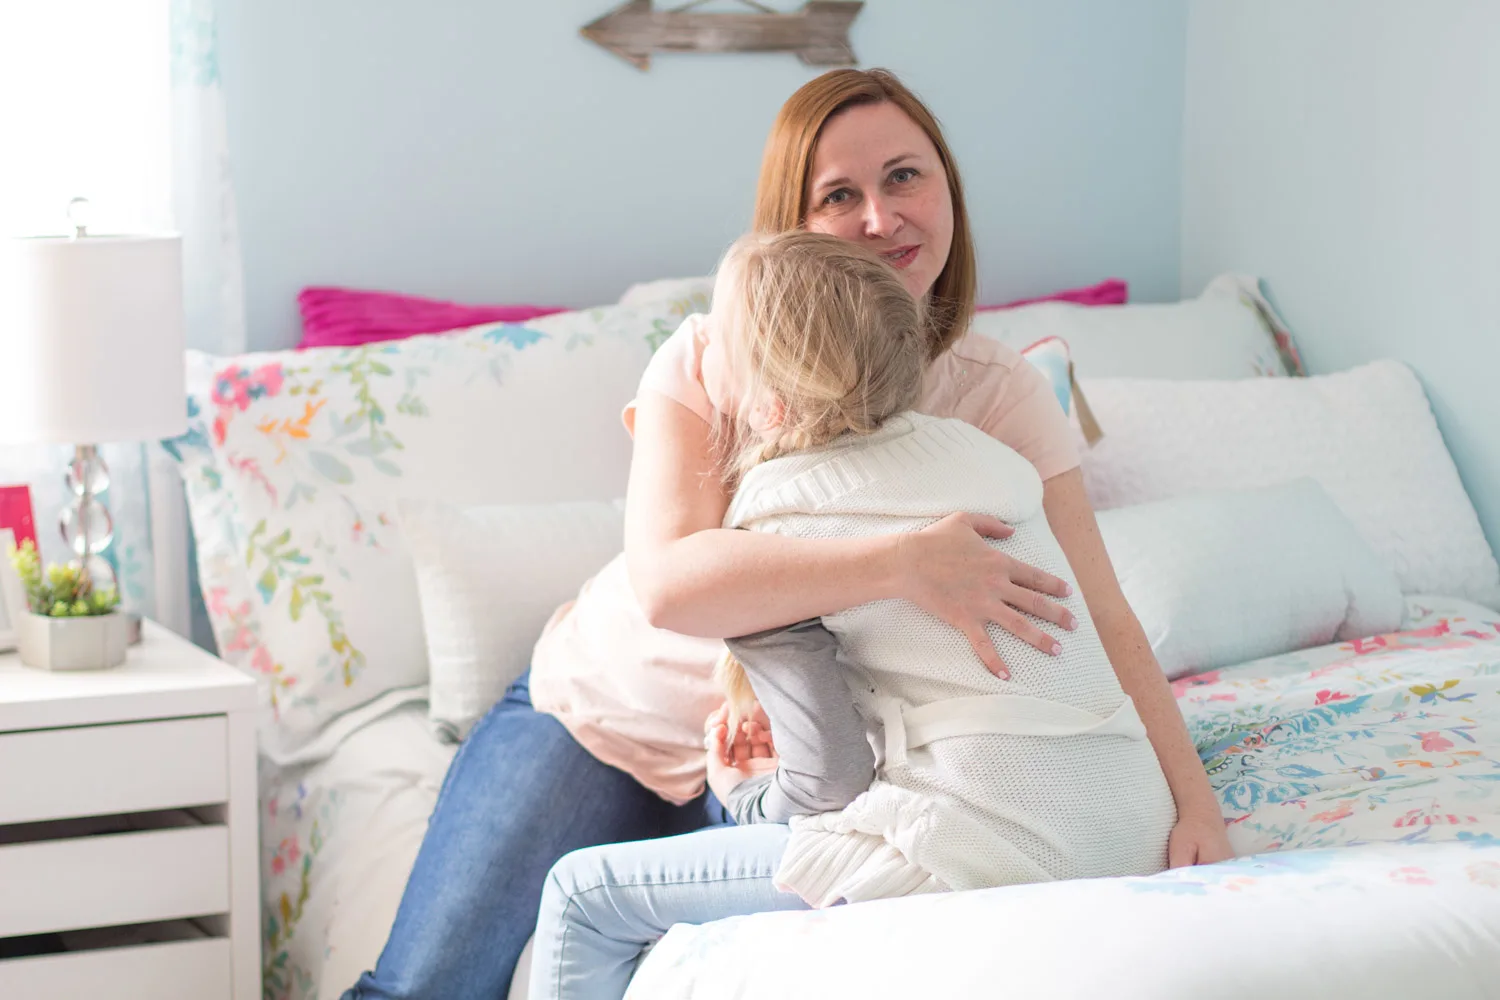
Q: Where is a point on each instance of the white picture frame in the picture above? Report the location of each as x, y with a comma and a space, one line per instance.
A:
12, 597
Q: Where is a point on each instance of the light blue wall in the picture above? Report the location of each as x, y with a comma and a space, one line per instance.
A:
481, 150
1349, 152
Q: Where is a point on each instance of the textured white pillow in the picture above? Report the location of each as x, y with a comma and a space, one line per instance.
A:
1366, 435
1225, 577
488, 579
1220, 335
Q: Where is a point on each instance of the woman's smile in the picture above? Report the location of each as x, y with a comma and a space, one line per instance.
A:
901, 257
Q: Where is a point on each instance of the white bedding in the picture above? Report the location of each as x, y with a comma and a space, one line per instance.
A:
1377, 921
1392, 741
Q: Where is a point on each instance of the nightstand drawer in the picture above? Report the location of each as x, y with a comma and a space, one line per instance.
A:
123, 878
179, 970
101, 770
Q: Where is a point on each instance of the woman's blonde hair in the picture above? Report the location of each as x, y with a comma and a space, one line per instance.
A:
825, 329
781, 195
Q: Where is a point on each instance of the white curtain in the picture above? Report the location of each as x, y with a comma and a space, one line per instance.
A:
120, 102
202, 188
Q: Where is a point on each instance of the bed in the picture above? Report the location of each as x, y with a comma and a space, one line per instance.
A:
1360, 778
1362, 786
1389, 744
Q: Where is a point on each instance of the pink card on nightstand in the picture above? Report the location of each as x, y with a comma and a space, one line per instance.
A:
16, 514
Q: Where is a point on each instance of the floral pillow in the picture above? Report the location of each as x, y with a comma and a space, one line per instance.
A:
295, 460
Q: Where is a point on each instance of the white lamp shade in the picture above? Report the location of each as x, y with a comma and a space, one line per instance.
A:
91, 340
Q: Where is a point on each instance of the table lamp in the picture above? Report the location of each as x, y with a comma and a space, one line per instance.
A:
91, 351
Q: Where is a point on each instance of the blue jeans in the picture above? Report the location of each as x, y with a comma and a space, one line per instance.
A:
603, 906
519, 795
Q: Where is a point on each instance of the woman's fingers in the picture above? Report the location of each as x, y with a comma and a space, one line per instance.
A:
718, 742
716, 733
989, 527
1034, 579
1022, 628
1182, 851
1032, 603
957, 574
985, 649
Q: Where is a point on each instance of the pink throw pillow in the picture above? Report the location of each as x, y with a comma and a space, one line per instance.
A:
346, 317
1111, 292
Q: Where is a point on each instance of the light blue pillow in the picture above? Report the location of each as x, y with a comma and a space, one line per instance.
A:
1222, 578
1053, 359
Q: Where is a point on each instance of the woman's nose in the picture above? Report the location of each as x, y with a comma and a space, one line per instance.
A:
880, 219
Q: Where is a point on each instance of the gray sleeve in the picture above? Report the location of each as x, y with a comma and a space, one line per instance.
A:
825, 758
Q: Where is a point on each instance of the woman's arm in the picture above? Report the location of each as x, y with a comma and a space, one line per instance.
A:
1199, 837
693, 577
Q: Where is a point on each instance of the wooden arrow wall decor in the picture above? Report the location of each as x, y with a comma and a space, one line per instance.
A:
818, 33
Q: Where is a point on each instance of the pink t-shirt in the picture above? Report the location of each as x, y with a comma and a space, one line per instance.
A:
636, 696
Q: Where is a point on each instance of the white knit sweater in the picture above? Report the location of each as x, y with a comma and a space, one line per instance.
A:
983, 782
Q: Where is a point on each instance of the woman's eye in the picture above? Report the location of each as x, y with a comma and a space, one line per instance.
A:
838, 197
903, 174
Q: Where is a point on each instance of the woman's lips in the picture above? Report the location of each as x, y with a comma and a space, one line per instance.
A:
901, 257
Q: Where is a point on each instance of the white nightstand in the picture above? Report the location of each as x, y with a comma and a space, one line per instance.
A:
128, 802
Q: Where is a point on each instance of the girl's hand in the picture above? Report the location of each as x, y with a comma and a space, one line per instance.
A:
753, 739
1198, 842
731, 762
948, 570
757, 732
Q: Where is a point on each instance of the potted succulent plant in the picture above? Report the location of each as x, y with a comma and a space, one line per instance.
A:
69, 624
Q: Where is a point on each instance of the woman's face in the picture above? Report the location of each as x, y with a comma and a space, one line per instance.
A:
876, 180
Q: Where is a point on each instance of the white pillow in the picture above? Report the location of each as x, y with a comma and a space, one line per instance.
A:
698, 291
1222, 334
1366, 435
1222, 578
488, 579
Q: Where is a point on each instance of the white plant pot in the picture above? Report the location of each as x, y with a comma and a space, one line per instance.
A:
92, 643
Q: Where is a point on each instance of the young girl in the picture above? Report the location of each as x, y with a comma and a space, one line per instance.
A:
904, 766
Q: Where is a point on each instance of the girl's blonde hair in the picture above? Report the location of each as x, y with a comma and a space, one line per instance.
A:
825, 329
822, 327
781, 196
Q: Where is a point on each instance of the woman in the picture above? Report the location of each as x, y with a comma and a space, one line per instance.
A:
613, 749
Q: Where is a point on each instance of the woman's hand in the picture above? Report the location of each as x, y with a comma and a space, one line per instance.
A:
948, 570
732, 761
1198, 841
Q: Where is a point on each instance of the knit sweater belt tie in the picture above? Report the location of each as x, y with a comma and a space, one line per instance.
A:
908, 728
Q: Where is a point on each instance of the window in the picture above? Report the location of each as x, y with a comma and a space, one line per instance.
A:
85, 110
